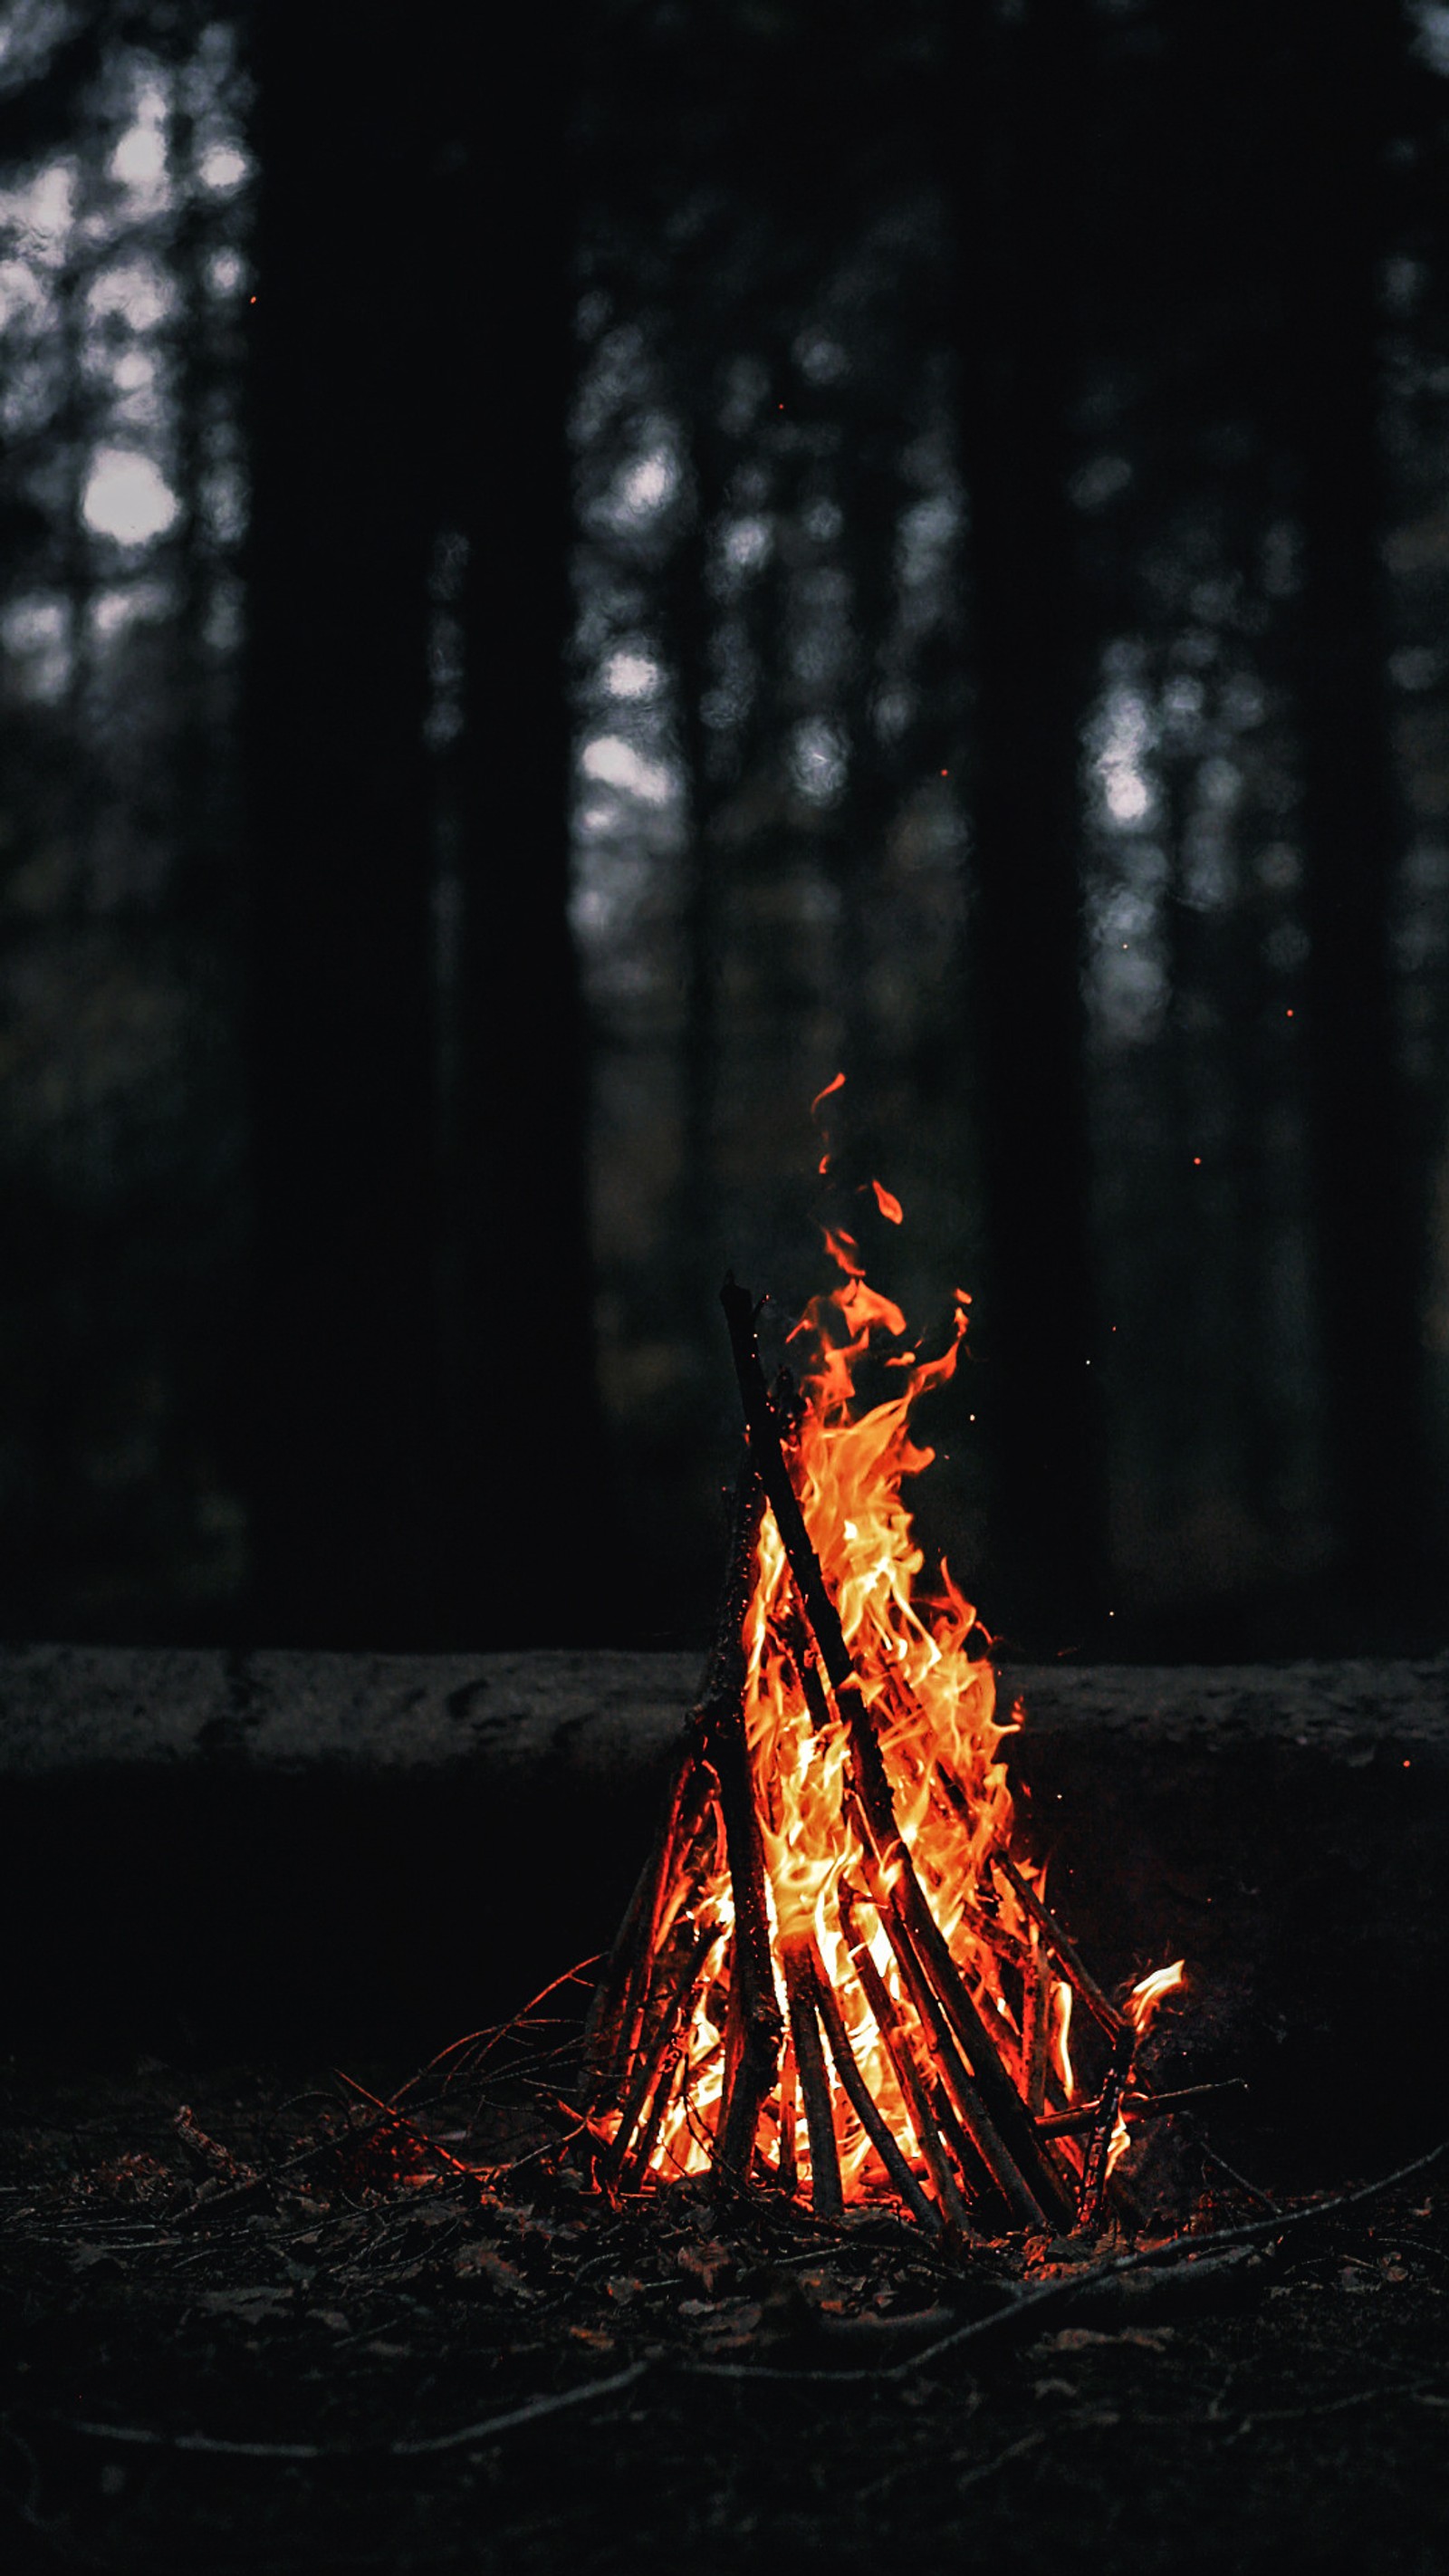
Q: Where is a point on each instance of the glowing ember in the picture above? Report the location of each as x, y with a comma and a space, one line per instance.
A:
835, 1979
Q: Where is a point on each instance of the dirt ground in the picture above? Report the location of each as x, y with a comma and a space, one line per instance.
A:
277, 2336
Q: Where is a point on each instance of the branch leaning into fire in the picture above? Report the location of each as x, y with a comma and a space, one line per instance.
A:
834, 1979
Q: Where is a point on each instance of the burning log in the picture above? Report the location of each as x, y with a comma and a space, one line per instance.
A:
831, 1921
825, 2192
857, 2093
720, 1724
649, 2059
1036, 2029
611, 2033
1094, 2167
908, 2075
1103, 2012
1143, 2106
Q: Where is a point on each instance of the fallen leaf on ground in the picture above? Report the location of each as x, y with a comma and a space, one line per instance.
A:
709, 2263
482, 2263
252, 2306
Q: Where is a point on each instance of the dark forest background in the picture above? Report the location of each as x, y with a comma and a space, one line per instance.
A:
568, 577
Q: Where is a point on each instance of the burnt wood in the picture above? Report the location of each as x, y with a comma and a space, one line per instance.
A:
858, 2094
825, 2192
1068, 1956
1094, 2166
719, 1724
908, 2075
1030, 2183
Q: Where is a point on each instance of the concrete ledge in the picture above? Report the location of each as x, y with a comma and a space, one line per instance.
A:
324, 1852
69, 1709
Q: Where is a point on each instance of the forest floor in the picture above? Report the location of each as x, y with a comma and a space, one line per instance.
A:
251, 2341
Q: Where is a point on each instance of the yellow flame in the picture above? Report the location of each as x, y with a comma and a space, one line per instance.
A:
1148, 1992
933, 1705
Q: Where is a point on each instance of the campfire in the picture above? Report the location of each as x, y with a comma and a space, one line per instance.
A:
839, 1979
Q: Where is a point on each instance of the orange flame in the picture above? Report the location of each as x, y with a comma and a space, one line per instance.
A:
842, 1247
835, 1084
933, 1702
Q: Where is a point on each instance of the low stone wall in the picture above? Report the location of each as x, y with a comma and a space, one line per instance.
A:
326, 1852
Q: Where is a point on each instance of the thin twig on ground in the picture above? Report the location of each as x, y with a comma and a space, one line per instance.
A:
141, 2437
1175, 2253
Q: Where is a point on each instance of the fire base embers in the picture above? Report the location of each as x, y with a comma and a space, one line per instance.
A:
783, 2006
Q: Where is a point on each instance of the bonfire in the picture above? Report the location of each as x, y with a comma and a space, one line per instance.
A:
840, 1979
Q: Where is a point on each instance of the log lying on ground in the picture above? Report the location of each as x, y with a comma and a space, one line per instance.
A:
320, 1851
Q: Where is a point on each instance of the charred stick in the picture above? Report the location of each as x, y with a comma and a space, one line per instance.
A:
961, 2115
724, 1670
1078, 1974
1037, 2029
976, 2175
619, 1994
994, 2112
1008, 1947
649, 2057
1143, 2106
663, 1888
1002, 2101
720, 1726
789, 2171
1001, 2135
754, 2053
1074, 2123
692, 2072
753, 2059
971, 2164
641, 2154
961, 2112
1094, 2167
390, 2119
732, 2040
825, 2193
769, 1458
1147, 2105
621, 2005
999, 2127
996, 2121
603, 2056
858, 2094
896, 2042
815, 1699
1211, 2156
681, 1819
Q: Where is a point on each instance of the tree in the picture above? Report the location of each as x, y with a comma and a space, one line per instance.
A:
345, 1455
529, 1548
1012, 154
1339, 69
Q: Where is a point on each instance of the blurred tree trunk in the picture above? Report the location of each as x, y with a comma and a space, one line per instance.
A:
1366, 1221
530, 1541
1016, 105
870, 494
345, 1454
686, 626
